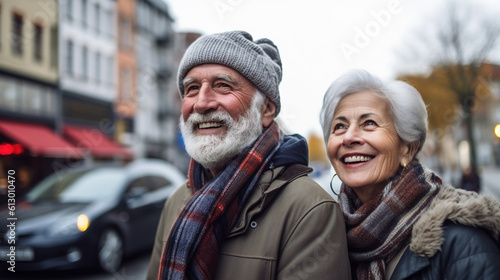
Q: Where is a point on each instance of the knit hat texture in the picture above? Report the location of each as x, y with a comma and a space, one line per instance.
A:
259, 61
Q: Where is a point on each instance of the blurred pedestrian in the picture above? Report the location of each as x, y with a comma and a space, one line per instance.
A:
470, 180
402, 221
248, 209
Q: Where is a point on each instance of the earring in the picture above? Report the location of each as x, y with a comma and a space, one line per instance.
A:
404, 165
331, 186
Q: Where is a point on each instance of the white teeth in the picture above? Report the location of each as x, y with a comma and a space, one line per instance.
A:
209, 125
356, 159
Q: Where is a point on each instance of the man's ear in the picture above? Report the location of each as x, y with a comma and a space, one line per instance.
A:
268, 112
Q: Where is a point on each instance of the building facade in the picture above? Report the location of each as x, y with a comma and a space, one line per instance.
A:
87, 77
126, 101
28, 60
176, 150
87, 80
29, 95
87, 57
156, 118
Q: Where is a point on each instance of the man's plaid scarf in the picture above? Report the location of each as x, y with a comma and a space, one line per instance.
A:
203, 224
381, 227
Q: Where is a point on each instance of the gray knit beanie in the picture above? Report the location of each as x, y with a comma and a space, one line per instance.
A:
259, 61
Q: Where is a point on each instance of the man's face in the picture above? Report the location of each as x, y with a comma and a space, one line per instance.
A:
220, 116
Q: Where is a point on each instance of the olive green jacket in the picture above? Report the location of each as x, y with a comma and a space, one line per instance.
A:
290, 228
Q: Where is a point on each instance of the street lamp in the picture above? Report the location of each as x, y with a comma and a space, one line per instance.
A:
497, 130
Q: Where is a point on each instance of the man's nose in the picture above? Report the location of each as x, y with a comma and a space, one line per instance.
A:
206, 100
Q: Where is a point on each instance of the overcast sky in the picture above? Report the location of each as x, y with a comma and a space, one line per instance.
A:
319, 39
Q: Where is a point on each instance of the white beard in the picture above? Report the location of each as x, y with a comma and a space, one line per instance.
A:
215, 151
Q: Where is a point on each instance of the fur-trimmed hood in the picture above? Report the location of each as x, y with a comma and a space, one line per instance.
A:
460, 206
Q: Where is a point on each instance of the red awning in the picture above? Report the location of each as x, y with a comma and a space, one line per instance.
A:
95, 142
38, 139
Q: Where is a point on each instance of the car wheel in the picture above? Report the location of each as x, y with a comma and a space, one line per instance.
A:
110, 250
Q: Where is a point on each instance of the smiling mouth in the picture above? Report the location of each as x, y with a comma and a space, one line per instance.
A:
356, 159
206, 125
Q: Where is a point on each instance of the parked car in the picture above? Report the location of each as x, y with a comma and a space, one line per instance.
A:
87, 217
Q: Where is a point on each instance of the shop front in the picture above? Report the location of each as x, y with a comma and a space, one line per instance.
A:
29, 152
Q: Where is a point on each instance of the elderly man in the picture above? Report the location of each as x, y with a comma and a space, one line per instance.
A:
248, 209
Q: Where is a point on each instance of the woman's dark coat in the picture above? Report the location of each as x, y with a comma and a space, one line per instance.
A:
457, 238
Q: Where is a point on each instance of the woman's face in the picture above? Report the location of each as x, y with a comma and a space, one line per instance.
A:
364, 147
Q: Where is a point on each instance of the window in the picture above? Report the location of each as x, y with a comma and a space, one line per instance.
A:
149, 17
139, 14
53, 47
109, 23
143, 16
85, 57
152, 18
17, 34
97, 18
110, 71
69, 58
125, 34
45, 100
50, 101
8, 96
97, 68
148, 184
37, 42
69, 10
126, 84
147, 190
31, 100
84, 13
142, 54
20, 95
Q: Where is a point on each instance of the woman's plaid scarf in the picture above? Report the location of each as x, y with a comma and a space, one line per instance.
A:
203, 224
381, 227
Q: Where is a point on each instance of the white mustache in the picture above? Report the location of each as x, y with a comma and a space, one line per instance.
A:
196, 118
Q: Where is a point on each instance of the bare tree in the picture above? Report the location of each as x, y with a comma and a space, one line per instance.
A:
462, 41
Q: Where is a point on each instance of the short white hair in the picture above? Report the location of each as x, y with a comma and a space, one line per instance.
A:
407, 107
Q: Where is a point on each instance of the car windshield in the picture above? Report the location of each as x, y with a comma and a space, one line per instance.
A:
79, 186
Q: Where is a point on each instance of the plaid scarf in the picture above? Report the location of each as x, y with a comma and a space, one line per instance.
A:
203, 224
381, 227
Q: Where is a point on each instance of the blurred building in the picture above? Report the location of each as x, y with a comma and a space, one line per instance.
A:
84, 81
156, 120
126, 101
176, 151
29, 96
87, 77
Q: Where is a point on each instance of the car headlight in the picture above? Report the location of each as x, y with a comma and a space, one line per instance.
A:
82, 222
68, 226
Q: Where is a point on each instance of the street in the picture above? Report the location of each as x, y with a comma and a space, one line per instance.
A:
133, 268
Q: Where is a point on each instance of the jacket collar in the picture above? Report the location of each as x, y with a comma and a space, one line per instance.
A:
463, 207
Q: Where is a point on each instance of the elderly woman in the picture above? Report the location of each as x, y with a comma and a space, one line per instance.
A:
402, 222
